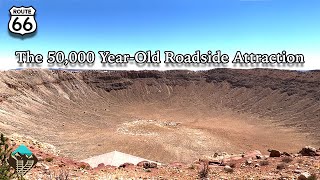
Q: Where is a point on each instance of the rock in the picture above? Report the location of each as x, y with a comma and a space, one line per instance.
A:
209, 160
257, 165
252, 154
34, 142
249, 161
286, 154
282, 166
285, 176
45, 168
304, 176
153, 165
224, 154
126, 165
236, 158
215, 162
141, 164
100, 165
230, 159
228, 169
13, 143
40, 158
147, 164
297, 171
83, 165
275, 153
309, 151
38, 165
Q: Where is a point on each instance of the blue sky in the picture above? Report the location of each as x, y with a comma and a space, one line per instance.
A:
180, 25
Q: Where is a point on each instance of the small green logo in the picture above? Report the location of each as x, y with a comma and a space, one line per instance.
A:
22, 160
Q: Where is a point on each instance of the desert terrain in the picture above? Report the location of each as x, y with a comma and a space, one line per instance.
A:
162, 116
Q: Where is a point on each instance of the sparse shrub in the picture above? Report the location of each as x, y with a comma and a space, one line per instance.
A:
204, 172
57, 175
5, 173
192, 167
63, 175
312, 177
264, 163
49, 159
300, 161
281, 166
233, 165
287, 159
84, 166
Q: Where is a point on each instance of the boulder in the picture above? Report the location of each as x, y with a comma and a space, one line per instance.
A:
147, 164
228, 169
275, 153
153, 165
100, 165
141, 164
304, 176
309, 151
126, 165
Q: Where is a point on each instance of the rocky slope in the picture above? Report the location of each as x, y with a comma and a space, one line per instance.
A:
250, 165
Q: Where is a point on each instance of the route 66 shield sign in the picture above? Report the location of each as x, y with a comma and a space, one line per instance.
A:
22, 20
